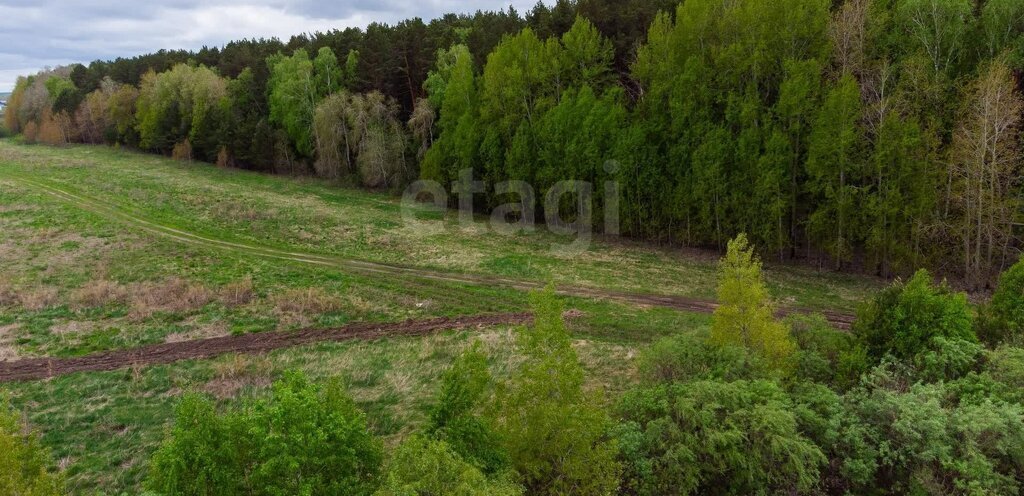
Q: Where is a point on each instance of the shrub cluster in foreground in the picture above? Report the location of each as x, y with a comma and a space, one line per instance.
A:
910, 402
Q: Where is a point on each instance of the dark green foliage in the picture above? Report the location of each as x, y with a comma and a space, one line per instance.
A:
685, 358
715, 437
935, 439
826, 355
304, 439
456, 419
904, 319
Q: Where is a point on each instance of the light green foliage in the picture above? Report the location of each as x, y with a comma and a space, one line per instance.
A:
422, 467
1003, 317
587, 56
63, 94
947, 359
708, 151
1006, 365
177, 105
554, 432
823, 416
745, 316
297, 84
930, 440
904, 319
327, 72
305, 439
24, 462
1002, 22
939, 28
714, 437
452, 89
572, 141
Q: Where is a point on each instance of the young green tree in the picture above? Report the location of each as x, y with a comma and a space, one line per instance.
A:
745, 316
24, 460
452, 88
456, 418
293, 97
554, 432
833, 164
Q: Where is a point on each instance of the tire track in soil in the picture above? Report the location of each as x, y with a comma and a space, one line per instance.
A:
839, 320
43, 368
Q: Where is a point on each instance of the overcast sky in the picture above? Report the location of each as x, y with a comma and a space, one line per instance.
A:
40, 33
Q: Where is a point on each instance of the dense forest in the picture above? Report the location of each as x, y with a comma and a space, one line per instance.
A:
879, 135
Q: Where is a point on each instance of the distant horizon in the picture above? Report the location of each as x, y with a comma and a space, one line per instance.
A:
60, 32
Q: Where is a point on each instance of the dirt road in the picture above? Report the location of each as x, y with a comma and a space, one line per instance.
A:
120, 214
42, 368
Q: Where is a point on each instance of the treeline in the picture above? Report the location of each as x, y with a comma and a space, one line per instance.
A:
923, 397
876, 134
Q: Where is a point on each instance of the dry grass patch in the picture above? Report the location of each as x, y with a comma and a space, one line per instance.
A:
8, 348
243, 212
237, 293
236, 372
98, 293
8, 296
39, 299
174, 295
307, 301
198, 331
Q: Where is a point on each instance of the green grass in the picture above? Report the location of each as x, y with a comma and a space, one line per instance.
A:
316, 217
102, 427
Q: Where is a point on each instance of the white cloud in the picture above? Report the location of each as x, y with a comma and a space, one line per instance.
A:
39, 33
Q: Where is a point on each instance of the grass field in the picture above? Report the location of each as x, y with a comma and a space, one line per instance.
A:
80, 280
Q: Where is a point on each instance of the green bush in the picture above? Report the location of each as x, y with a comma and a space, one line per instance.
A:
903, 319
933, 439
947, 359
456, 418
1006, 365
24, 460
689, 357
422, 466
304, 439
714, 437
826, 355
1003, 317
822, 415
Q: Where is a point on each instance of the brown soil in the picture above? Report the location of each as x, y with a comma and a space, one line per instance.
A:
42, 368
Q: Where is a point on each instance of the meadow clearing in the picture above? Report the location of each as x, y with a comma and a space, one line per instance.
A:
107, 272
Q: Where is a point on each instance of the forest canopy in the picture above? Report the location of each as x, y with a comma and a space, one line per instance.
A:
875, 135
